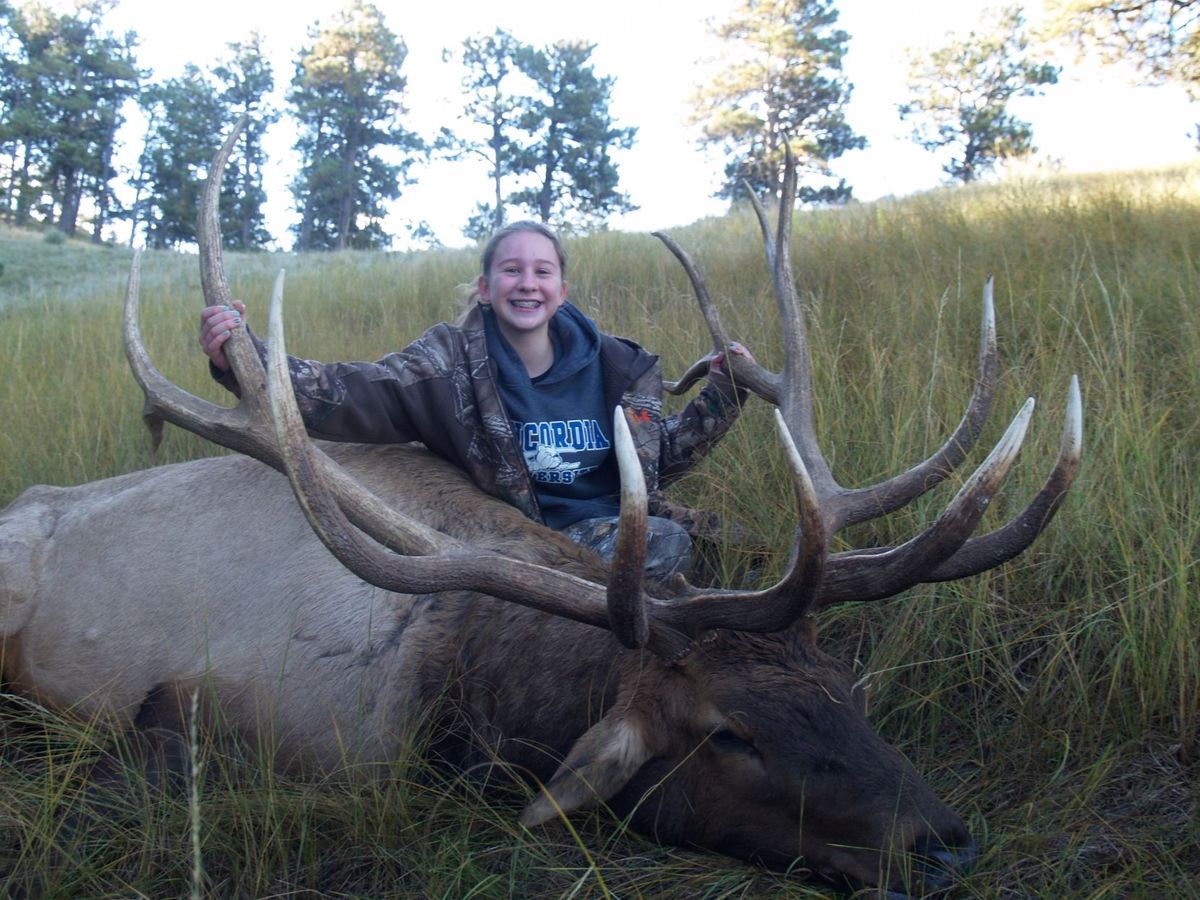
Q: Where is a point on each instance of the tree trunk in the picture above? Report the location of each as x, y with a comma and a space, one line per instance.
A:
103, 194
346, 192
23, 187
70, 202
550, 160
308, 216
497, 144
11, 189
304, 238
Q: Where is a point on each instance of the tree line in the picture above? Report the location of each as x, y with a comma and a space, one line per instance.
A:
65, 82
537, 116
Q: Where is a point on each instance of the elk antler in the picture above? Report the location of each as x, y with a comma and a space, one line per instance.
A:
943, 551
665, 626
247, 427
266, 424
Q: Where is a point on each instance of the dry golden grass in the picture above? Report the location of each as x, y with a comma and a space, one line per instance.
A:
1053, 702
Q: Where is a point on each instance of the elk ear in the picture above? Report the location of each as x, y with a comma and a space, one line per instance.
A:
598, 766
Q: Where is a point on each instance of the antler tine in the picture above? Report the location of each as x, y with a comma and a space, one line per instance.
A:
135, 352
746, 374
992, 549
164, 400
626, 601
876, 573
699, 368
861, 504
208, 226
243, 358
719, 338
698, 610
764, 225
688, 379
796, 401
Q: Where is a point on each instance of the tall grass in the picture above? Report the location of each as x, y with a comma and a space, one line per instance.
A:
1053, 701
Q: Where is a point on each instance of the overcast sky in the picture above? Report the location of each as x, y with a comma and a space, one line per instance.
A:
1094, 119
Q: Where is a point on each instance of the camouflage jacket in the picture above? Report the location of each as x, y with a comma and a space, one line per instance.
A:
441, 390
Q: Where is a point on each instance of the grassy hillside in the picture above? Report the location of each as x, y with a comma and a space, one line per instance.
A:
1053, 702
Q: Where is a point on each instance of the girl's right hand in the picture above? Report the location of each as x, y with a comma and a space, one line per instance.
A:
216, 324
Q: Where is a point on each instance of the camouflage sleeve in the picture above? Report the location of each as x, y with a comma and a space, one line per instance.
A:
691, 433
367, 402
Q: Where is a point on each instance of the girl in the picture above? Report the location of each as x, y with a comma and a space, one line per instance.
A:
520, 395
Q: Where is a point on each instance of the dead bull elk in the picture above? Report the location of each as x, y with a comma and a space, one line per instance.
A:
709, 717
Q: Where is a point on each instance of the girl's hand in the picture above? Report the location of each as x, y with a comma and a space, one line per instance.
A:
716, 364
216, 324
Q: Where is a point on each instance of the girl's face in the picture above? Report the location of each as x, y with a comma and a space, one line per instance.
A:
524, 286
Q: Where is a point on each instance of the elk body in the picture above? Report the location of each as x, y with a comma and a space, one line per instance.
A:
709, 717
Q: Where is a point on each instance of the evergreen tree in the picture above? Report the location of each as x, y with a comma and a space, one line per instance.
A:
10, 93
246, 79
572, 134
490, 113
66, 81
347, 99
187, 119
784, 86
960, 95
30, 114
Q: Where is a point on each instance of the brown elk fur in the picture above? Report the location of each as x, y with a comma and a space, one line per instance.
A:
205, 574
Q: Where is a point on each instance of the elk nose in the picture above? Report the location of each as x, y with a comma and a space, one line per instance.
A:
938, 865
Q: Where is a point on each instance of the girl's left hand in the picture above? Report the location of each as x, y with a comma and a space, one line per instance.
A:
716, 364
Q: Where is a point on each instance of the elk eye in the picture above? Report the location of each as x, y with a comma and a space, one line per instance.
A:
727, 742
829, 766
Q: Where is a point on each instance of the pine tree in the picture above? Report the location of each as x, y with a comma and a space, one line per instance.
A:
66, 81
784, 86
568, 156
186, 119
490, 120
347, 97
246, 79
15, 102
8, 146
960, 95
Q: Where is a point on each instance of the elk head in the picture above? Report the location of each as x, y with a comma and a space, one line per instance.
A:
730, 729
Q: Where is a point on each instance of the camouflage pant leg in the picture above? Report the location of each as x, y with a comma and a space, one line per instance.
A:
668, 545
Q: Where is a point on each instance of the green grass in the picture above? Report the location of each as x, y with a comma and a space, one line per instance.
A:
1053, 702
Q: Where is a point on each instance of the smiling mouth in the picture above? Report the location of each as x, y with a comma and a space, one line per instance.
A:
525, 304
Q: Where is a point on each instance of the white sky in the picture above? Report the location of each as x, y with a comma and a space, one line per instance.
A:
657, 50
